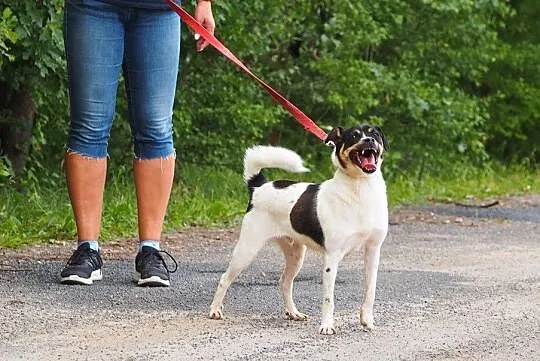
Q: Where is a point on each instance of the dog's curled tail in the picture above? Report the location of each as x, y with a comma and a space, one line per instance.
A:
262, 156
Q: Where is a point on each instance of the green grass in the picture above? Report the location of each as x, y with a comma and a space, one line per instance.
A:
211, 197
475, 183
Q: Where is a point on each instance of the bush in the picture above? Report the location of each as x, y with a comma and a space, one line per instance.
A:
433, 74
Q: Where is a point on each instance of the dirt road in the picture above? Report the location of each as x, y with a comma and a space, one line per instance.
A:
455, 283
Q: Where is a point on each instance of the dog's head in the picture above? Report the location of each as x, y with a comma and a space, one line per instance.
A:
358, 150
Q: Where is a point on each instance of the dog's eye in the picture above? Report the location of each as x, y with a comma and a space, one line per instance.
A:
356, 135
373, 132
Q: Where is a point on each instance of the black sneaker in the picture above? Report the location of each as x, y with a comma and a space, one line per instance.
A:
83, 268
151, 269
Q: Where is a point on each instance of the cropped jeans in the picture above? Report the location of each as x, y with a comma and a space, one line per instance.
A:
101, 42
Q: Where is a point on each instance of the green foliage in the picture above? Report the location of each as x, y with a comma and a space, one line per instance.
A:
31, 39
473, 183
512, 87
434, 74
31, 58
7, 34
408, 65
209, 197
5, 169
203, 196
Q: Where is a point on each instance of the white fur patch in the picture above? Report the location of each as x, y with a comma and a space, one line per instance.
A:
263, 156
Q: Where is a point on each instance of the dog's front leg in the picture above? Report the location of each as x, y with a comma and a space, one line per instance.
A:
331, 262
372, 253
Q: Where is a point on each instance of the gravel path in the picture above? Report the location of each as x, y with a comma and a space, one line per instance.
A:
455, 283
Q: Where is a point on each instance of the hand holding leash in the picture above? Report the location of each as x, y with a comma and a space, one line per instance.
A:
203, 14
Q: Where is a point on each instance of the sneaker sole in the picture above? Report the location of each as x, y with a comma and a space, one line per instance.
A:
153, 281
96, 275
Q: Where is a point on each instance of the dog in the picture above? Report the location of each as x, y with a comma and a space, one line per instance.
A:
344, 213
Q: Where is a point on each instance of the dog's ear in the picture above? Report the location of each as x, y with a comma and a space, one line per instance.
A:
334, 136
383, 137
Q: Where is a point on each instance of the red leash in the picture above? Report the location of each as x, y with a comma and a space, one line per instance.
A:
303, 119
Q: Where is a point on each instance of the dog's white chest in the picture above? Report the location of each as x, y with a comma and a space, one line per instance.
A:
353, 212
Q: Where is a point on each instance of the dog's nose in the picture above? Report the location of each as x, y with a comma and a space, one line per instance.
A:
369, 140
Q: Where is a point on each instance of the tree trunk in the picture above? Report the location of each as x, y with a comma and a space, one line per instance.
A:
17, 117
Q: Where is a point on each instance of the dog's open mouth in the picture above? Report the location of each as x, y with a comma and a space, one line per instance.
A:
366, 159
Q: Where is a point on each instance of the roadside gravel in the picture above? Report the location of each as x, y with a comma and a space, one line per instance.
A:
455, 283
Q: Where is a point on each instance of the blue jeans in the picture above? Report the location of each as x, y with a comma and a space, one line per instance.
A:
101, 40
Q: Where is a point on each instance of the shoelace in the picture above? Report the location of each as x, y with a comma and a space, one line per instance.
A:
157, 253
81, 255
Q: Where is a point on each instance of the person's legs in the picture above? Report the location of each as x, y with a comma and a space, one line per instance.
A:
150, 68
85, 178
153, 183
93, 35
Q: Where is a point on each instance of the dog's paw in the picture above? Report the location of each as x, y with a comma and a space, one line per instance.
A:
216, 314
367, 321
327, 329
368, 327
296, 316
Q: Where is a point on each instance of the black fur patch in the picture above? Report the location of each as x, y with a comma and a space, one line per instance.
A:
254, 182
280, 184
304, 218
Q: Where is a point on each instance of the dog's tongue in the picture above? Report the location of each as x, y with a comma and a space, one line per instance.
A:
368, 161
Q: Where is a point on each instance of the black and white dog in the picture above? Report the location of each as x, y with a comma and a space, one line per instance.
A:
336, 217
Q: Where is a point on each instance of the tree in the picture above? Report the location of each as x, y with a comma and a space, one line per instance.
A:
512, 88
404, 64
31, 77
452, 82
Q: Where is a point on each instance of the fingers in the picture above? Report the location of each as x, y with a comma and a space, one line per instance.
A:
201, 44
209, 25
203, 14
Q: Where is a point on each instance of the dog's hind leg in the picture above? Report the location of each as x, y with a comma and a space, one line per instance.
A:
331, 262
253, 236
294, 253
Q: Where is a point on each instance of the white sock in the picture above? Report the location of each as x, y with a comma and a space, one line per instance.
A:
149, 243
93, 244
